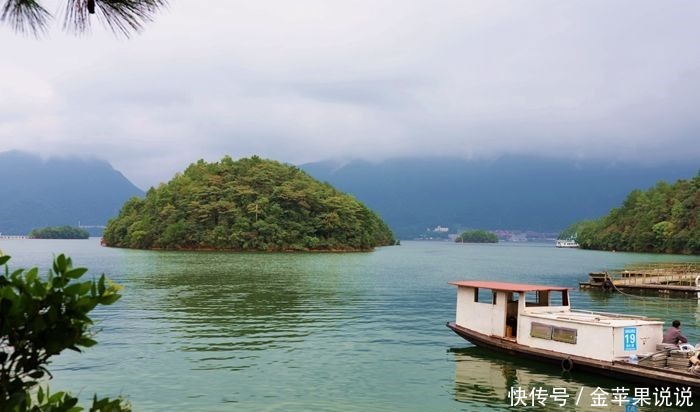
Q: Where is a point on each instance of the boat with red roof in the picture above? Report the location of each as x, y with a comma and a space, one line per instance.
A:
537, 322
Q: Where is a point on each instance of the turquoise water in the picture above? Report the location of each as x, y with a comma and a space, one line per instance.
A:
329, 332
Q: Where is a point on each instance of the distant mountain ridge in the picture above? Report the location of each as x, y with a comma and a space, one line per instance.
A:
512, 192
410, 194
58, 191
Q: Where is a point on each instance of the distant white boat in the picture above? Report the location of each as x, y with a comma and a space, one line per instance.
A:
566, 243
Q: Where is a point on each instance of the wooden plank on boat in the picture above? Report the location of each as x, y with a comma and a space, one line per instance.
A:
681, 354
656, 363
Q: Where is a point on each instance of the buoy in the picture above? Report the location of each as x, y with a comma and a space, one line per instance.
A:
567, 364
607, 284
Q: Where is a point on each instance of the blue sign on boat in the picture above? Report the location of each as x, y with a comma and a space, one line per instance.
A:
630, 338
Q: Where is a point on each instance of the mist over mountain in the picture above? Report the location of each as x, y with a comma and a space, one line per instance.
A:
410, 194
512, 192
58, 191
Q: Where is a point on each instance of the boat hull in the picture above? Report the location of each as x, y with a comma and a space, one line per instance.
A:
617, 370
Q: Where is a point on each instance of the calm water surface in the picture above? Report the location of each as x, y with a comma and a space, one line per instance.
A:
327, 332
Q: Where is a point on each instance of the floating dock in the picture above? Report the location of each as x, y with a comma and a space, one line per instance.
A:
679, 280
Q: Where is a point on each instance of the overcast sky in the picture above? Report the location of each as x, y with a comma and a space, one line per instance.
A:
301, 81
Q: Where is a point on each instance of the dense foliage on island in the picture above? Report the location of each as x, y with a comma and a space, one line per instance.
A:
59, 232
248, 204
477, 236
661, 219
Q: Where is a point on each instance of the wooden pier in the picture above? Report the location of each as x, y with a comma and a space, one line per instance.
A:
681, 280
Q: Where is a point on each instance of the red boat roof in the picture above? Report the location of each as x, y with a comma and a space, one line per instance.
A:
511, 287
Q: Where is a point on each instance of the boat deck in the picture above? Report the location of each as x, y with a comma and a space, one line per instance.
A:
594, 318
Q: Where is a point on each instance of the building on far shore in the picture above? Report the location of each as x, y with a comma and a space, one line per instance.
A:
525, 236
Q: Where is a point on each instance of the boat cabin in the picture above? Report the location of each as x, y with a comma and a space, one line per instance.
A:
566, 243
541, 317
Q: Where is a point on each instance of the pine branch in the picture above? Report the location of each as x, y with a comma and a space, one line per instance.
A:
123, 17
25, 16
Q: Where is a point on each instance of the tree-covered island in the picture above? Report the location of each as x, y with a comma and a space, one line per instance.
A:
248, 204
59, 232
477, 236
664, 219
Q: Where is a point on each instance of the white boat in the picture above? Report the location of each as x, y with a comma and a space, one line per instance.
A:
568, 243
537, 321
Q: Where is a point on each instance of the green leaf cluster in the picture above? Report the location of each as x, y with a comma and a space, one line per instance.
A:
41, 316
59, 232
248, 204
477, 236
662, 219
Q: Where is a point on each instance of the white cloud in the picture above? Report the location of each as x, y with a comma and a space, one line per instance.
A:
307, 80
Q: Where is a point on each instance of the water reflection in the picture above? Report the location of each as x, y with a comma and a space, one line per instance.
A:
326, 332
486, 377
230, 308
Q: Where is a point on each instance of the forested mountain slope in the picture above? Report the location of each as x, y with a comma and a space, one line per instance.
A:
661, 219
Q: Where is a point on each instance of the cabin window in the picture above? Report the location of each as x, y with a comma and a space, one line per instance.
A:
532, 298
551, 332
485, 296
559, 299
540, 330
537, 298
566, 335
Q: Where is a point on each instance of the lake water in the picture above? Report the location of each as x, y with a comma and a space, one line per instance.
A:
327, 332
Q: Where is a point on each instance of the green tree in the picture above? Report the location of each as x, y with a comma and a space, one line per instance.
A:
40, 317
120, 16
477, 236
572, 231
59, 232
249, 204
665, 218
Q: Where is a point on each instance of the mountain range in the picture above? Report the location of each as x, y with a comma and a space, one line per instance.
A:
58, 191
411, 194
511, 192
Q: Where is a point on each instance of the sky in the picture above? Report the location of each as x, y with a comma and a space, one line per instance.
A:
303, 81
